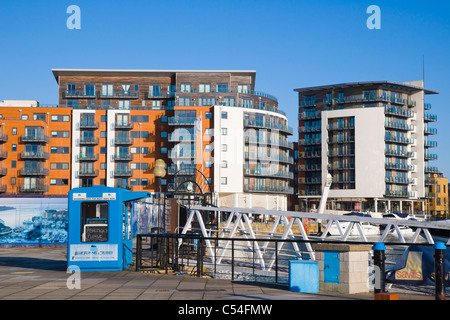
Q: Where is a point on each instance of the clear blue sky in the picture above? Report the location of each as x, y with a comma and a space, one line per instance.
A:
291, 44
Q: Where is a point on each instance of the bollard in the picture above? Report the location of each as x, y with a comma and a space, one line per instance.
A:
439, 270
379, 261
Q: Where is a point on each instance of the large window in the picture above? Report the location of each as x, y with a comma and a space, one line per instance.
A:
94, 222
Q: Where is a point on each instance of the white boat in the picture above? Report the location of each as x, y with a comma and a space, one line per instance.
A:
404, 230
367, 228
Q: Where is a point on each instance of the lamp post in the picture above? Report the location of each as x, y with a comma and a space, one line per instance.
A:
160, 172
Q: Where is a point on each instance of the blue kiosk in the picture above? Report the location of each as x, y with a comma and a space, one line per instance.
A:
100, 228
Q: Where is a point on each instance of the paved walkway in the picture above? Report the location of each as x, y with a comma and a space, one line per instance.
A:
40, 274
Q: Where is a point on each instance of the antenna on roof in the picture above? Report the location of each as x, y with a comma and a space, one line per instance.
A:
423, 69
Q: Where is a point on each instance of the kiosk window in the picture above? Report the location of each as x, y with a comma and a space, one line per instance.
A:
94, 222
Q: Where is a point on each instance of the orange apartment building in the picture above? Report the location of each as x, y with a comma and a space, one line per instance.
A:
213, 130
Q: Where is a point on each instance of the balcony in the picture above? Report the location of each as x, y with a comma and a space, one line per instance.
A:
35, 138
120, 95
3, 172
399, 153
268, 173
123, 172
124, 125
34, 171
160, 95
86, 124
88, 140
39, 187
269, 142
431, 170
87, 157
38, 154
122, 157
309, 142
400, 180
430, 117
430, 144
3, 188
187, 170
398, 125
310, 180
400, 167
268, 189
343, 153
123, 141
80, 94
188, 137
3, 138
431, 156
183, 153
350, 139
309, 115
310, 167
341, 126
182, 121
400, 194
428, 131
398, 139
254, 156
427, 106
88, 172
399, 112
268, 125
3, 154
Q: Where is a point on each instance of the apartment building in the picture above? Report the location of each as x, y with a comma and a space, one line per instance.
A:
216, 134
375, 140
437, 196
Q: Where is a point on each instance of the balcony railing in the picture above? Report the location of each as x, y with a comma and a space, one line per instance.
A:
398, 125
182, 121
35, 138
431, 156
399, 153
80, 94
268, 125
33, 188
123, 173
268, 173
34, 171
3, 171
39, 154
89, 140
122, 157
86, 124
3, 138
119, 95
123, 141
430, 131
397, 166
87, 157
400, 180
269, 142
400, 194
430, 117
398, 139
85, 172
268, 189
430, 144
3, 154
431, 169
399, 112
268, 157
124, 125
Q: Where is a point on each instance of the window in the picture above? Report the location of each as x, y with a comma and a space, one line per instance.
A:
13, 164
14, 131
224, 147
184, 101
156, 104
89, 89
94, 222
39, 116
223, 180
229, 101
163, 150
60, 118
59, 150
185, 87
139, 118
208, 115
204, 87
14, 147
224, 131
208, 132
208, 164
60, 134
59, 166
247, 103
224, 164
107, 90
124, 104
206, 101
71, 88
24, 117
125, 88
164, 119
224, 115
222, 87
154, 90
243, 88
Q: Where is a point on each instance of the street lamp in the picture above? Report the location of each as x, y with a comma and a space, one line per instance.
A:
160, 172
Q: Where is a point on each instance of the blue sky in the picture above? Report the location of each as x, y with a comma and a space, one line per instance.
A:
291, 44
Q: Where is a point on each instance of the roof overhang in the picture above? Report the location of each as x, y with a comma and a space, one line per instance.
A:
387, 84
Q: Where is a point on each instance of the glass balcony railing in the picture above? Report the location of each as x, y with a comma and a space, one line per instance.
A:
269, 173
399, 112
182, 120
430, 144
268, 189
34, 171
268, 125
36, 154
399, 153
88, 172
431, 169
400, 180
430, 117
398, 139
398, 166
400, 194
430, 130
398, 125
431, 156
35, 138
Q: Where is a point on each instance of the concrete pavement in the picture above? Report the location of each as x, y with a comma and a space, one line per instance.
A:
39, 273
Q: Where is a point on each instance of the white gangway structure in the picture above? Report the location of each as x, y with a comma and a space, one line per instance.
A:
351, 228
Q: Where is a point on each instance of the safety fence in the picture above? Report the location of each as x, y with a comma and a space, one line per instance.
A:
188, 254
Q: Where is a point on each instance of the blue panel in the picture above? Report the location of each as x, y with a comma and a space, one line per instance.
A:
303, 276
331, 266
